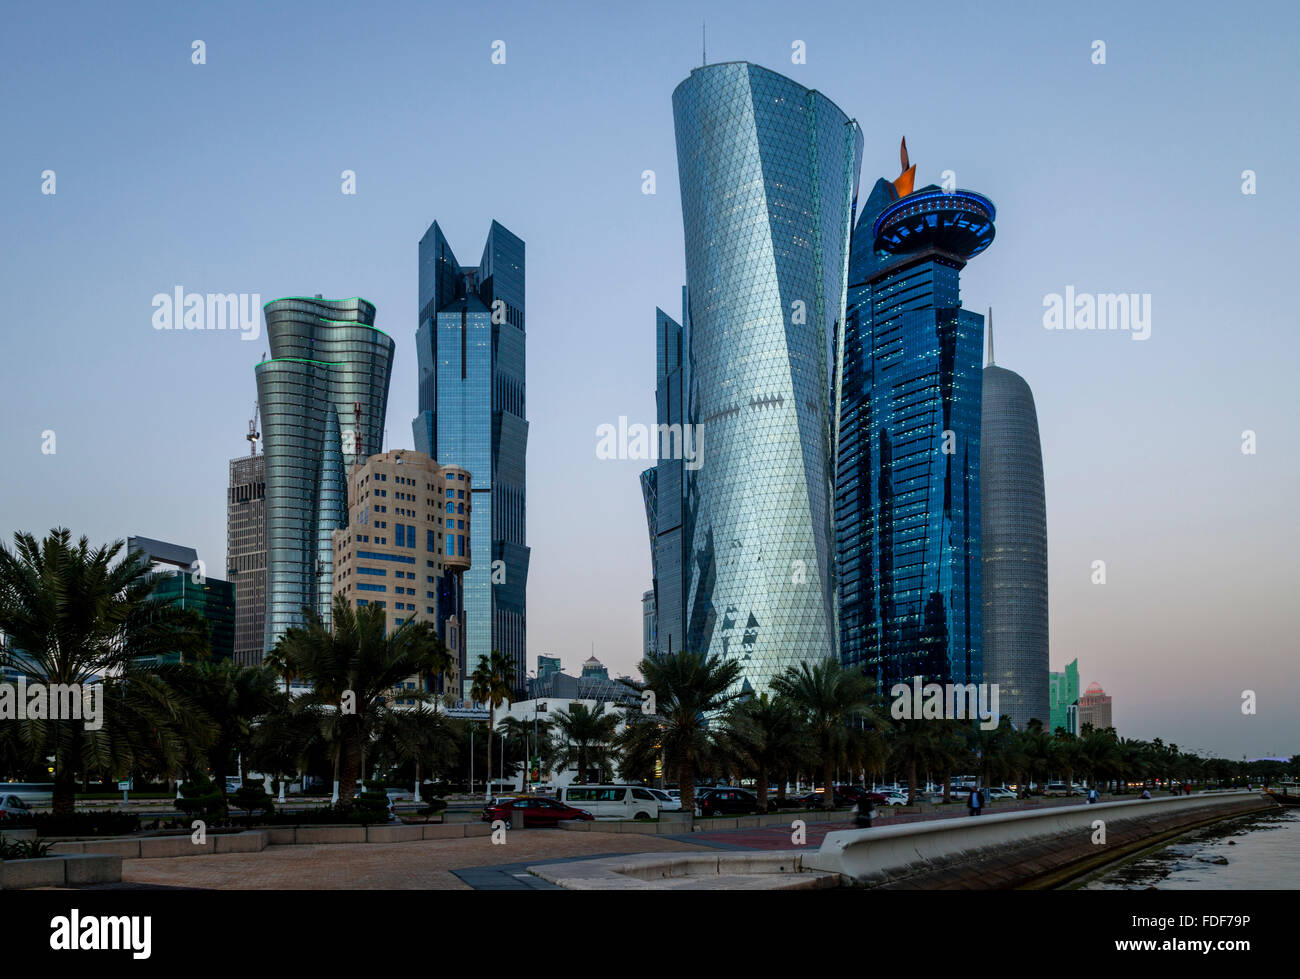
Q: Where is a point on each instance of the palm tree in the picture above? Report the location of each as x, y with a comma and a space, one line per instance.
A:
282, 738
518, 733
492, 683
688, 688
913, 746
75, 614
353, 666
234, 697
829, 696
420, 735
761, 734
583, 736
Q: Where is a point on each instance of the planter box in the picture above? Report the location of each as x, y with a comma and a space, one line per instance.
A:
394, 834
60, 871
330, 834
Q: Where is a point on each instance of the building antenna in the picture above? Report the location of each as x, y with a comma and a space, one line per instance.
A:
704, 44
990, 336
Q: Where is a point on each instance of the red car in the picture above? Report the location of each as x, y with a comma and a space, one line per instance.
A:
537, 811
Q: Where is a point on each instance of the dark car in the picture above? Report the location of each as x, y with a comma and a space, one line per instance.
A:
725, 801
857, 792
537, 811
12, 807
813, 800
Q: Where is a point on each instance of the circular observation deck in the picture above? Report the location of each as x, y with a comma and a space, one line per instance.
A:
959, 221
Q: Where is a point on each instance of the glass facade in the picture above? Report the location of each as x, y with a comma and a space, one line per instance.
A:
470, 346
907, 504
1063, 694
767, 171
246, 554
214, 600
1013, 519
323, 397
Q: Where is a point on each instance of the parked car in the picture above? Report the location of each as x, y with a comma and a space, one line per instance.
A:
726, 801
1056, 788
813, 800
995, 794
896, 798
666, 802
12, 807
538, 811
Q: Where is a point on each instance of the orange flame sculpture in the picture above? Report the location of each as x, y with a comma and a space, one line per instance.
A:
907, 179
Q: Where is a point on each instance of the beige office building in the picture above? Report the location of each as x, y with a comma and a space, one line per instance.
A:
1094, 709
396, 551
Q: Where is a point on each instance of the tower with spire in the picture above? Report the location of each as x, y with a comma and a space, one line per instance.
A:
1013, 521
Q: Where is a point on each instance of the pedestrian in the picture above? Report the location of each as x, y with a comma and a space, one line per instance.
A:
976, 802
866, 811
1092, 795
1146, 793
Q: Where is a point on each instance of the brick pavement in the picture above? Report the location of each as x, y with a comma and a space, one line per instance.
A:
426, 865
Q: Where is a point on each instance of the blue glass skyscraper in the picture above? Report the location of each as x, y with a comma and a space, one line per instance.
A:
470, 345
768, 172
907, 504
323, 397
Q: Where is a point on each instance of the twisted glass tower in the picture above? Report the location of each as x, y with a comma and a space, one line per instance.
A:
768, 171
907, 489
1013, 508
470, 346
323, 398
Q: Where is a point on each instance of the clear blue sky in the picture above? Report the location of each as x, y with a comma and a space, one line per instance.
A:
1123, 177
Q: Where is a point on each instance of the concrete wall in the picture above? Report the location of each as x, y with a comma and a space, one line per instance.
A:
1008, 849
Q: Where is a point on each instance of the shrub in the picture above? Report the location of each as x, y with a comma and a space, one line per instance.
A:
78, 823
200, 798
23, 849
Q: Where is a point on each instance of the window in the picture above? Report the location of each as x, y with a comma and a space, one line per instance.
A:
410, 536
366, 586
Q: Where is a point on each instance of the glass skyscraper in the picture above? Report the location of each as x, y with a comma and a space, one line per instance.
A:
907, 503
768, 173
323, 397
1013, 519
470, 345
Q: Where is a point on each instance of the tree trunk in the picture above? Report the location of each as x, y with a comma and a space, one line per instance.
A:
487, 785
686, 781
762, 788
915, 798
348, 764
828, 782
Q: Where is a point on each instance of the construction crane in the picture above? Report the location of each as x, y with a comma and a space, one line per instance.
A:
253, 434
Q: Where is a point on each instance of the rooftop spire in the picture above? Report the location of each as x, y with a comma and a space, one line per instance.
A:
704, 44
990, 336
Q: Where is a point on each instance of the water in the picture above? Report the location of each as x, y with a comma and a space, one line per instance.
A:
1262, 853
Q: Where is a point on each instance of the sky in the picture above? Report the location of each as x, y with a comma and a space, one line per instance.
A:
1117, 177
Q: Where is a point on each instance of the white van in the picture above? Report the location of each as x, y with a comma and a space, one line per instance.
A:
612, 801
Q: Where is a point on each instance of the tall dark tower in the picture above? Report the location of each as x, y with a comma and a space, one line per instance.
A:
907, 491
470, 346
1013, 515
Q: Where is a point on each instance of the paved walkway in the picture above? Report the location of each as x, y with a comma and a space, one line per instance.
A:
453, 864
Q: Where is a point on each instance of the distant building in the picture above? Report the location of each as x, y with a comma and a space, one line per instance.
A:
546, 665
399, 551
182, 581
648, 623
470, 346
323, 397
246, 554
594, 684
1063, 691
1013, 522
1094, 709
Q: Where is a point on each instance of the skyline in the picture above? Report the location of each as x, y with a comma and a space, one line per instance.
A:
1114, 178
